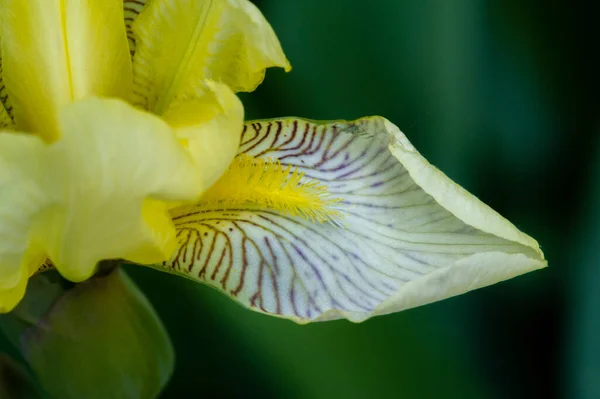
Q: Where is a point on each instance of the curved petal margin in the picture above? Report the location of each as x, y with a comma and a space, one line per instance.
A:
408, 235
21, 198
181, 43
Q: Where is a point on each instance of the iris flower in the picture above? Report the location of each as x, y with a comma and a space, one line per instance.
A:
122, 138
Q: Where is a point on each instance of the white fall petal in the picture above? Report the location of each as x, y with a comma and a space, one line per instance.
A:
409, 235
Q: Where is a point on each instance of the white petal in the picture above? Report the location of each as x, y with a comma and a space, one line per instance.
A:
410, 235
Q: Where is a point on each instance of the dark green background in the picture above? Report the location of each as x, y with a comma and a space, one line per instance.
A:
503, 97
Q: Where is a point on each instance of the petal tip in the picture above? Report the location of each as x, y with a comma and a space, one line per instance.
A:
10, 297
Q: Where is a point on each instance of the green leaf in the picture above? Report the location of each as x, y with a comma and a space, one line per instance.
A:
42, 292
14, 382
101, 339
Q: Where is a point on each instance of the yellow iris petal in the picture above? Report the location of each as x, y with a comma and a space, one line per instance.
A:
111, 160
12, 290
210, 125
20, 198
58, 51
100, 192
181, 43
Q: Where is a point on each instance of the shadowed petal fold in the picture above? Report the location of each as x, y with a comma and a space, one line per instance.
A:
407, 235
5, 118
132, 9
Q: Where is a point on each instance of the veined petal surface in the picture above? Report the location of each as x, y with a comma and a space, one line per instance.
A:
58, 51
5, 118
132, 9
181, 43
408, 235
99, 192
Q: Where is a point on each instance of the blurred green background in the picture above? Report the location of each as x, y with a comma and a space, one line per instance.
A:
503, 97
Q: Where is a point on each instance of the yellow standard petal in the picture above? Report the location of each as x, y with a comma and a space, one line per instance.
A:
181, 43
100, 192
210, 126
58, 51
319, 221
